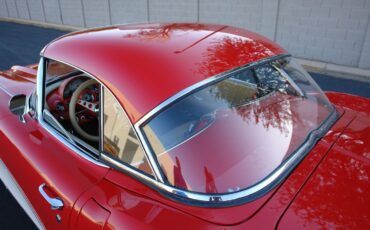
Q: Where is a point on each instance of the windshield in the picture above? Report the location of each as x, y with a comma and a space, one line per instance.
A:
230, 135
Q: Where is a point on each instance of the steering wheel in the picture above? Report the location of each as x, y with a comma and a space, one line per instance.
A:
88, 103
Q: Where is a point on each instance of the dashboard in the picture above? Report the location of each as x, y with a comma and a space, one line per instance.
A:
59, 93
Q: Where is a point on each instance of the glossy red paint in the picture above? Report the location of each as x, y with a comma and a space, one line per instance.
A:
269, 216
337, 194
5, 97
133, 204
17, 82
143, 65
21, 73
92, 216
329, 188
35, 157
244, 215
132, 210
359, 104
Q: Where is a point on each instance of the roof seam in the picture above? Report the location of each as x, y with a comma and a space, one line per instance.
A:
200, 40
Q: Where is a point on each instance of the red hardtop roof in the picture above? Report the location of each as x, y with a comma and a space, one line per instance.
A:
144, 64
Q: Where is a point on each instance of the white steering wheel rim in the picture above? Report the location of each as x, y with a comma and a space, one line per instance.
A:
72, 111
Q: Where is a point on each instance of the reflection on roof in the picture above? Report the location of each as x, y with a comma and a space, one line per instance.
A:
145, 64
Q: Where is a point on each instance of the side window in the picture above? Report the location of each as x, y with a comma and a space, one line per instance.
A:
120, 140
71, 105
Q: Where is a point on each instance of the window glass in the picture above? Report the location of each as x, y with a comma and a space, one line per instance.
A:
120, 140
71, 105
55, 69
234, 133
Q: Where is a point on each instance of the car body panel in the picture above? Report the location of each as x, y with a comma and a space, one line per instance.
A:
18, 80
34, 157
41, 157
132, 210
352, 102
238, 214
91, 216
4, 103
337, 194
261, 213
269, 216
175, 57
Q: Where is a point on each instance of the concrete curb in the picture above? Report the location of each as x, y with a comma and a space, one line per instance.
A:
341, 71
347, 72
42, 24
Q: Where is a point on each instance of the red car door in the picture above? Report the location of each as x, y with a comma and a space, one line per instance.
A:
45, 169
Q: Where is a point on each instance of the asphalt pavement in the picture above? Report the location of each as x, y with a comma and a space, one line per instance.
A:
21, 45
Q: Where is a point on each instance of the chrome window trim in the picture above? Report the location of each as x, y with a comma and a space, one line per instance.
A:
59, 126
81, 152
101, 121
247, 194
116, 162
239, 197
39, 88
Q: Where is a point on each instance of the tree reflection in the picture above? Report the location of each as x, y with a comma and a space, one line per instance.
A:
278, 116
210, 182
337, 196
163, 32
177, 174
261, 99
228, 52
276, 111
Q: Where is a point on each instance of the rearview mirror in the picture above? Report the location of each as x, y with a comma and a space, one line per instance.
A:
18, 106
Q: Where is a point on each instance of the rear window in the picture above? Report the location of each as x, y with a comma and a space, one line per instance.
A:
230, 135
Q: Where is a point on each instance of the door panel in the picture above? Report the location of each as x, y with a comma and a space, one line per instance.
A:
92, 216
34, 156
133, 209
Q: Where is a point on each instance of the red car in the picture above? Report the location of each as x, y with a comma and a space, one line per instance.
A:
181, 126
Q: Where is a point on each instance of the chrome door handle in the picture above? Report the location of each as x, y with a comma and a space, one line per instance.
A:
55, 203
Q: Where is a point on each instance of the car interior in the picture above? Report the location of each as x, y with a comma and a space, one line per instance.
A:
72, 106
73, 101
